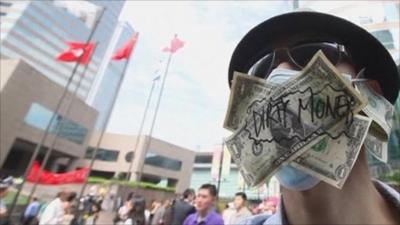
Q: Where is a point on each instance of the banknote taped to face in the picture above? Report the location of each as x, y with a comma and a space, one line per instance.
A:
282, 122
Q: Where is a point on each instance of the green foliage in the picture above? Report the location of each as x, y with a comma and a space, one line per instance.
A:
133, 184
22, 199
391, 178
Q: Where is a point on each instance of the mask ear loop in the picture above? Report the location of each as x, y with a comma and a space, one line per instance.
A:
272, 64
292, 60
360, 77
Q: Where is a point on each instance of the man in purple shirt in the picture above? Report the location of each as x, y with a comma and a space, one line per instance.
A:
206, 214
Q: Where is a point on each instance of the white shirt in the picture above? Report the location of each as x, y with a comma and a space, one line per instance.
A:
53, 214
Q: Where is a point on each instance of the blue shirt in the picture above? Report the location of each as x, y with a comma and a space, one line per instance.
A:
212, 218
32, 209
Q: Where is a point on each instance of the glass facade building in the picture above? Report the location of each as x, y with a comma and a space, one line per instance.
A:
105, 87
162, 161
103, 154
39, 116
36, 31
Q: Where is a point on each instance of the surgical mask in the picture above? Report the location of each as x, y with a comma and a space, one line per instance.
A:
281, 75
288, 176
294, 179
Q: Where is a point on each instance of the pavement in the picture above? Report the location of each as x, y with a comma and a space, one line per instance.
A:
105, 218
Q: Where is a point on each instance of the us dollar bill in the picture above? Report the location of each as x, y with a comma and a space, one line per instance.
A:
244, 89
376, 147
381, 112
329, 160
295, 116
332, 160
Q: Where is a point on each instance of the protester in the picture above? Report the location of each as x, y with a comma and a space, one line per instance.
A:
160, 212
183, 207
5, 183
240, 212
136, 214
306, 200
205, 212
152, 210
31, 212
228, 212
123, 212
269, 205
147, 213
255, 208
54, 212
167, 217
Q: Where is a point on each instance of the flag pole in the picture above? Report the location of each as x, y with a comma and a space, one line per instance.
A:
108, 116
59, 127
129, 172
220, 170
139, 177
55, 112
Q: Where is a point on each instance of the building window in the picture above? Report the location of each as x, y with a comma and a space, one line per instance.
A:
39, 117
203, 159
162, 161
129, 156
103, 154
385, 37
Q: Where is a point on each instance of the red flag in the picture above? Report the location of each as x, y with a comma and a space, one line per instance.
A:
125, 51
176, 44
77, 52
47, 177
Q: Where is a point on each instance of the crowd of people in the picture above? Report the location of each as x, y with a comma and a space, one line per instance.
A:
192, 209
189, 209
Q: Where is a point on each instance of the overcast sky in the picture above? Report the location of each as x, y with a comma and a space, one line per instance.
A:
196, 93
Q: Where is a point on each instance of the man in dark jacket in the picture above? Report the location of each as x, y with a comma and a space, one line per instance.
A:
182, 208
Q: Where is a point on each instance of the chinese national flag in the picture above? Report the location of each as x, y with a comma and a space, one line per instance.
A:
77, 52
125, 51
176, 44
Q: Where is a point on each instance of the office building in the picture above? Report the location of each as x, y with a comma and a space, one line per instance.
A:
32, 34
28, 100
36, 31
163, 164
105, 87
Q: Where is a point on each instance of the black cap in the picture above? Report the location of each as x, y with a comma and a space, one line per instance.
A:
296, 28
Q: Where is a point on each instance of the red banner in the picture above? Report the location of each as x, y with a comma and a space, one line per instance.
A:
47, 177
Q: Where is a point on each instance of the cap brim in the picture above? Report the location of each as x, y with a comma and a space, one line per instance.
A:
295, 28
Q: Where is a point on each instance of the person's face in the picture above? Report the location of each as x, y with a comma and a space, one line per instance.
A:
129, 204
269, 206
191, 197
238, 202
204, 200
64, 196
